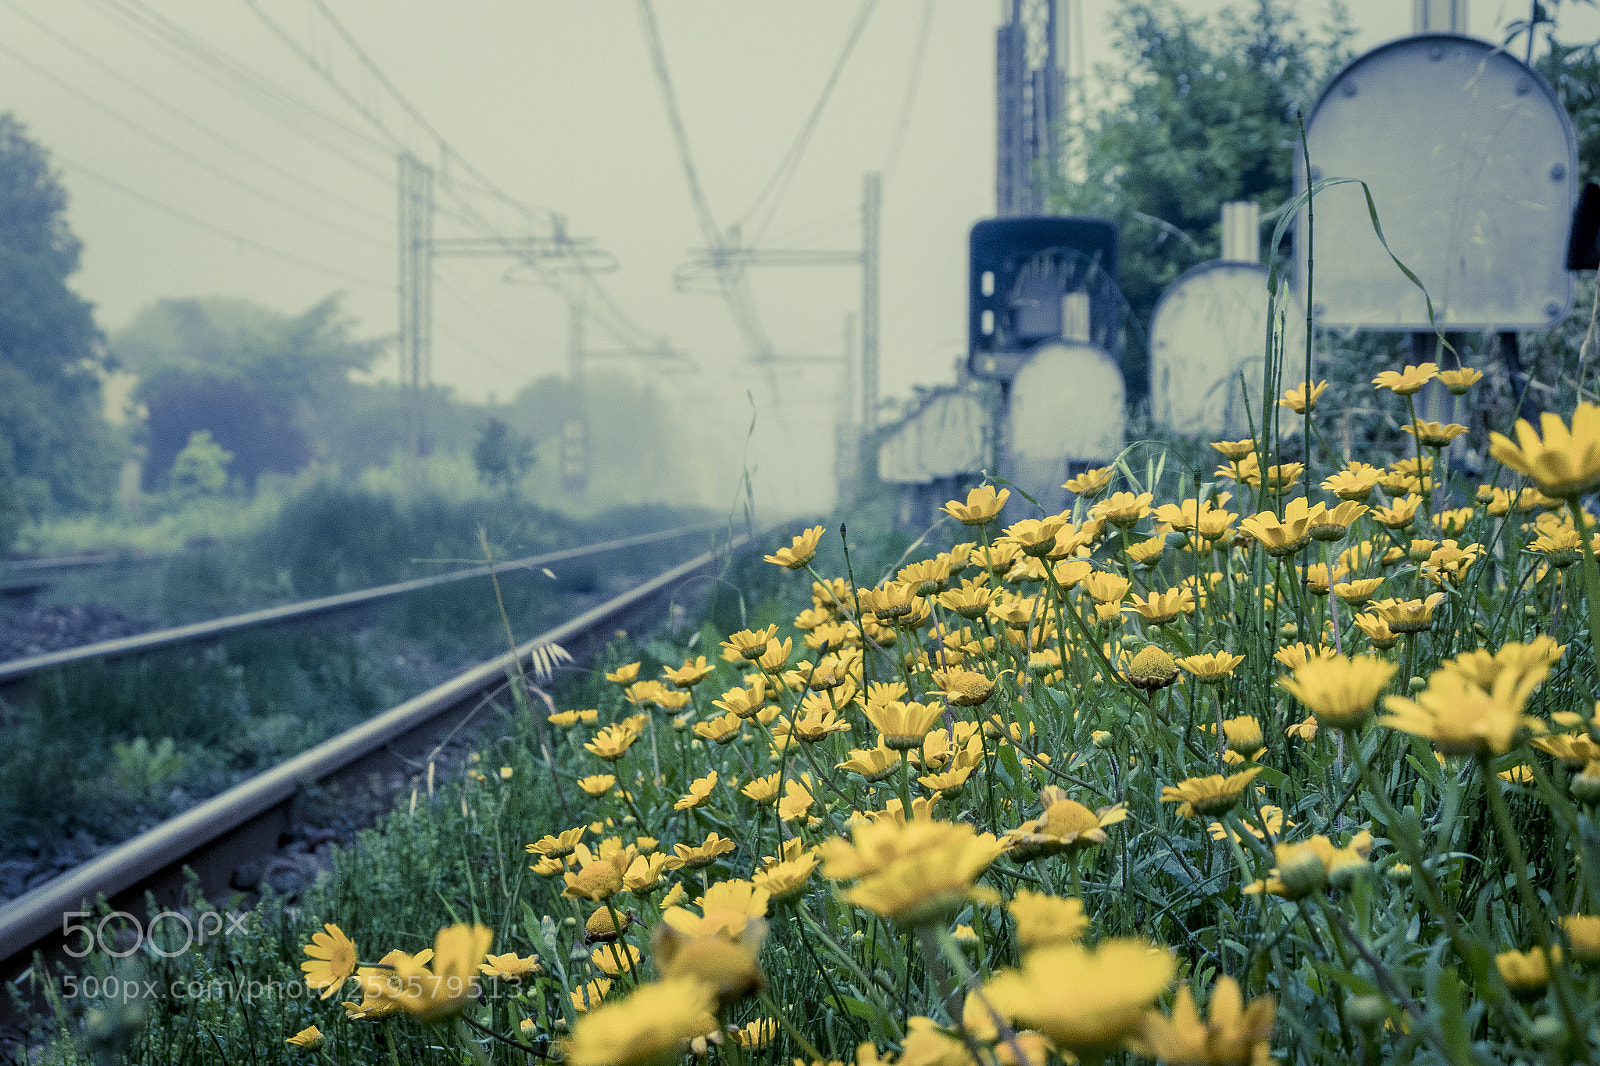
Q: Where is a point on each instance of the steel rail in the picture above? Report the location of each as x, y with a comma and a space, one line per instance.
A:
22, 576
17, 669
126, 871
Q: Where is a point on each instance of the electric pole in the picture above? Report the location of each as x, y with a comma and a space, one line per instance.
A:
871, 223
416, 294
847, 434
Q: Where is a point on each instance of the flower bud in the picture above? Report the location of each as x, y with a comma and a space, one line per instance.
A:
1585, 787
1301, 870
1345, 874
1548, 1029
1366, 1010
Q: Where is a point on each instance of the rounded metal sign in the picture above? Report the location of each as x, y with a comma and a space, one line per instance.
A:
1209, 328
947, 437
1066, 408
1472, 165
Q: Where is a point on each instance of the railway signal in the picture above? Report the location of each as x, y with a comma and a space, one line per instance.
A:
1044, 323
575, 454
1472, 166
1471, 163
1209, 331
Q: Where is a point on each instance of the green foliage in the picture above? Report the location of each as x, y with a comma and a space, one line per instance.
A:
502, 456
257, 698
635, 448
1204, 114
366, 426
57, 454
254, 378
1574, 72
140, 769
201, 469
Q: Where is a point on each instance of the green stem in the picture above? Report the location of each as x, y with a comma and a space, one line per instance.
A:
479, 1056
1591, 578
1577, 1040
794, 1033
1412, 847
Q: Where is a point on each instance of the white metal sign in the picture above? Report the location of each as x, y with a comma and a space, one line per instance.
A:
946, 438
1066, 407
1209, 328
1473, 169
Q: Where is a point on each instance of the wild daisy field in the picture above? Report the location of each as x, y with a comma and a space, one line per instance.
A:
1298, 763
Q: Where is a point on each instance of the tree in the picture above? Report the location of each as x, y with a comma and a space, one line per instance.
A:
201, 469
502, 455
57, 453
1574, 72
259, 381
1204, 114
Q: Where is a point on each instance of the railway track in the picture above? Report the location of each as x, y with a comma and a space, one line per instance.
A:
23, 578
250, 820
16, 670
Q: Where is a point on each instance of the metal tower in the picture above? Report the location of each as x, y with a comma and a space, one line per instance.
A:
871, 227
1031, 97
416, 292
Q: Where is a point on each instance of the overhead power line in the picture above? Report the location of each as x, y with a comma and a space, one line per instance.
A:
178, 113
446, 147
625, 330
210, 227
477, 352
731, 277
446, 151
495, 321
908, 100
248, 84
184, 153
778, 184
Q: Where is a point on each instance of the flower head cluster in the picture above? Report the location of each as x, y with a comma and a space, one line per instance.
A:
1474, 706
913, 871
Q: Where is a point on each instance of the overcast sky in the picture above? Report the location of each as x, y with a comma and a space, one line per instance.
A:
558, 105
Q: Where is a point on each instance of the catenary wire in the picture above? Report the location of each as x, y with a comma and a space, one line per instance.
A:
778, 184
445, 148
244, 82
731, 278
211, 227
221, 138
444, 144
185, 154
909, 98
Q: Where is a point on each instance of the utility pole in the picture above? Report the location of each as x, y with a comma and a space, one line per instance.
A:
871, 224
847, 434
717, 261
419, 248
575, 427
575, 438
416, 294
